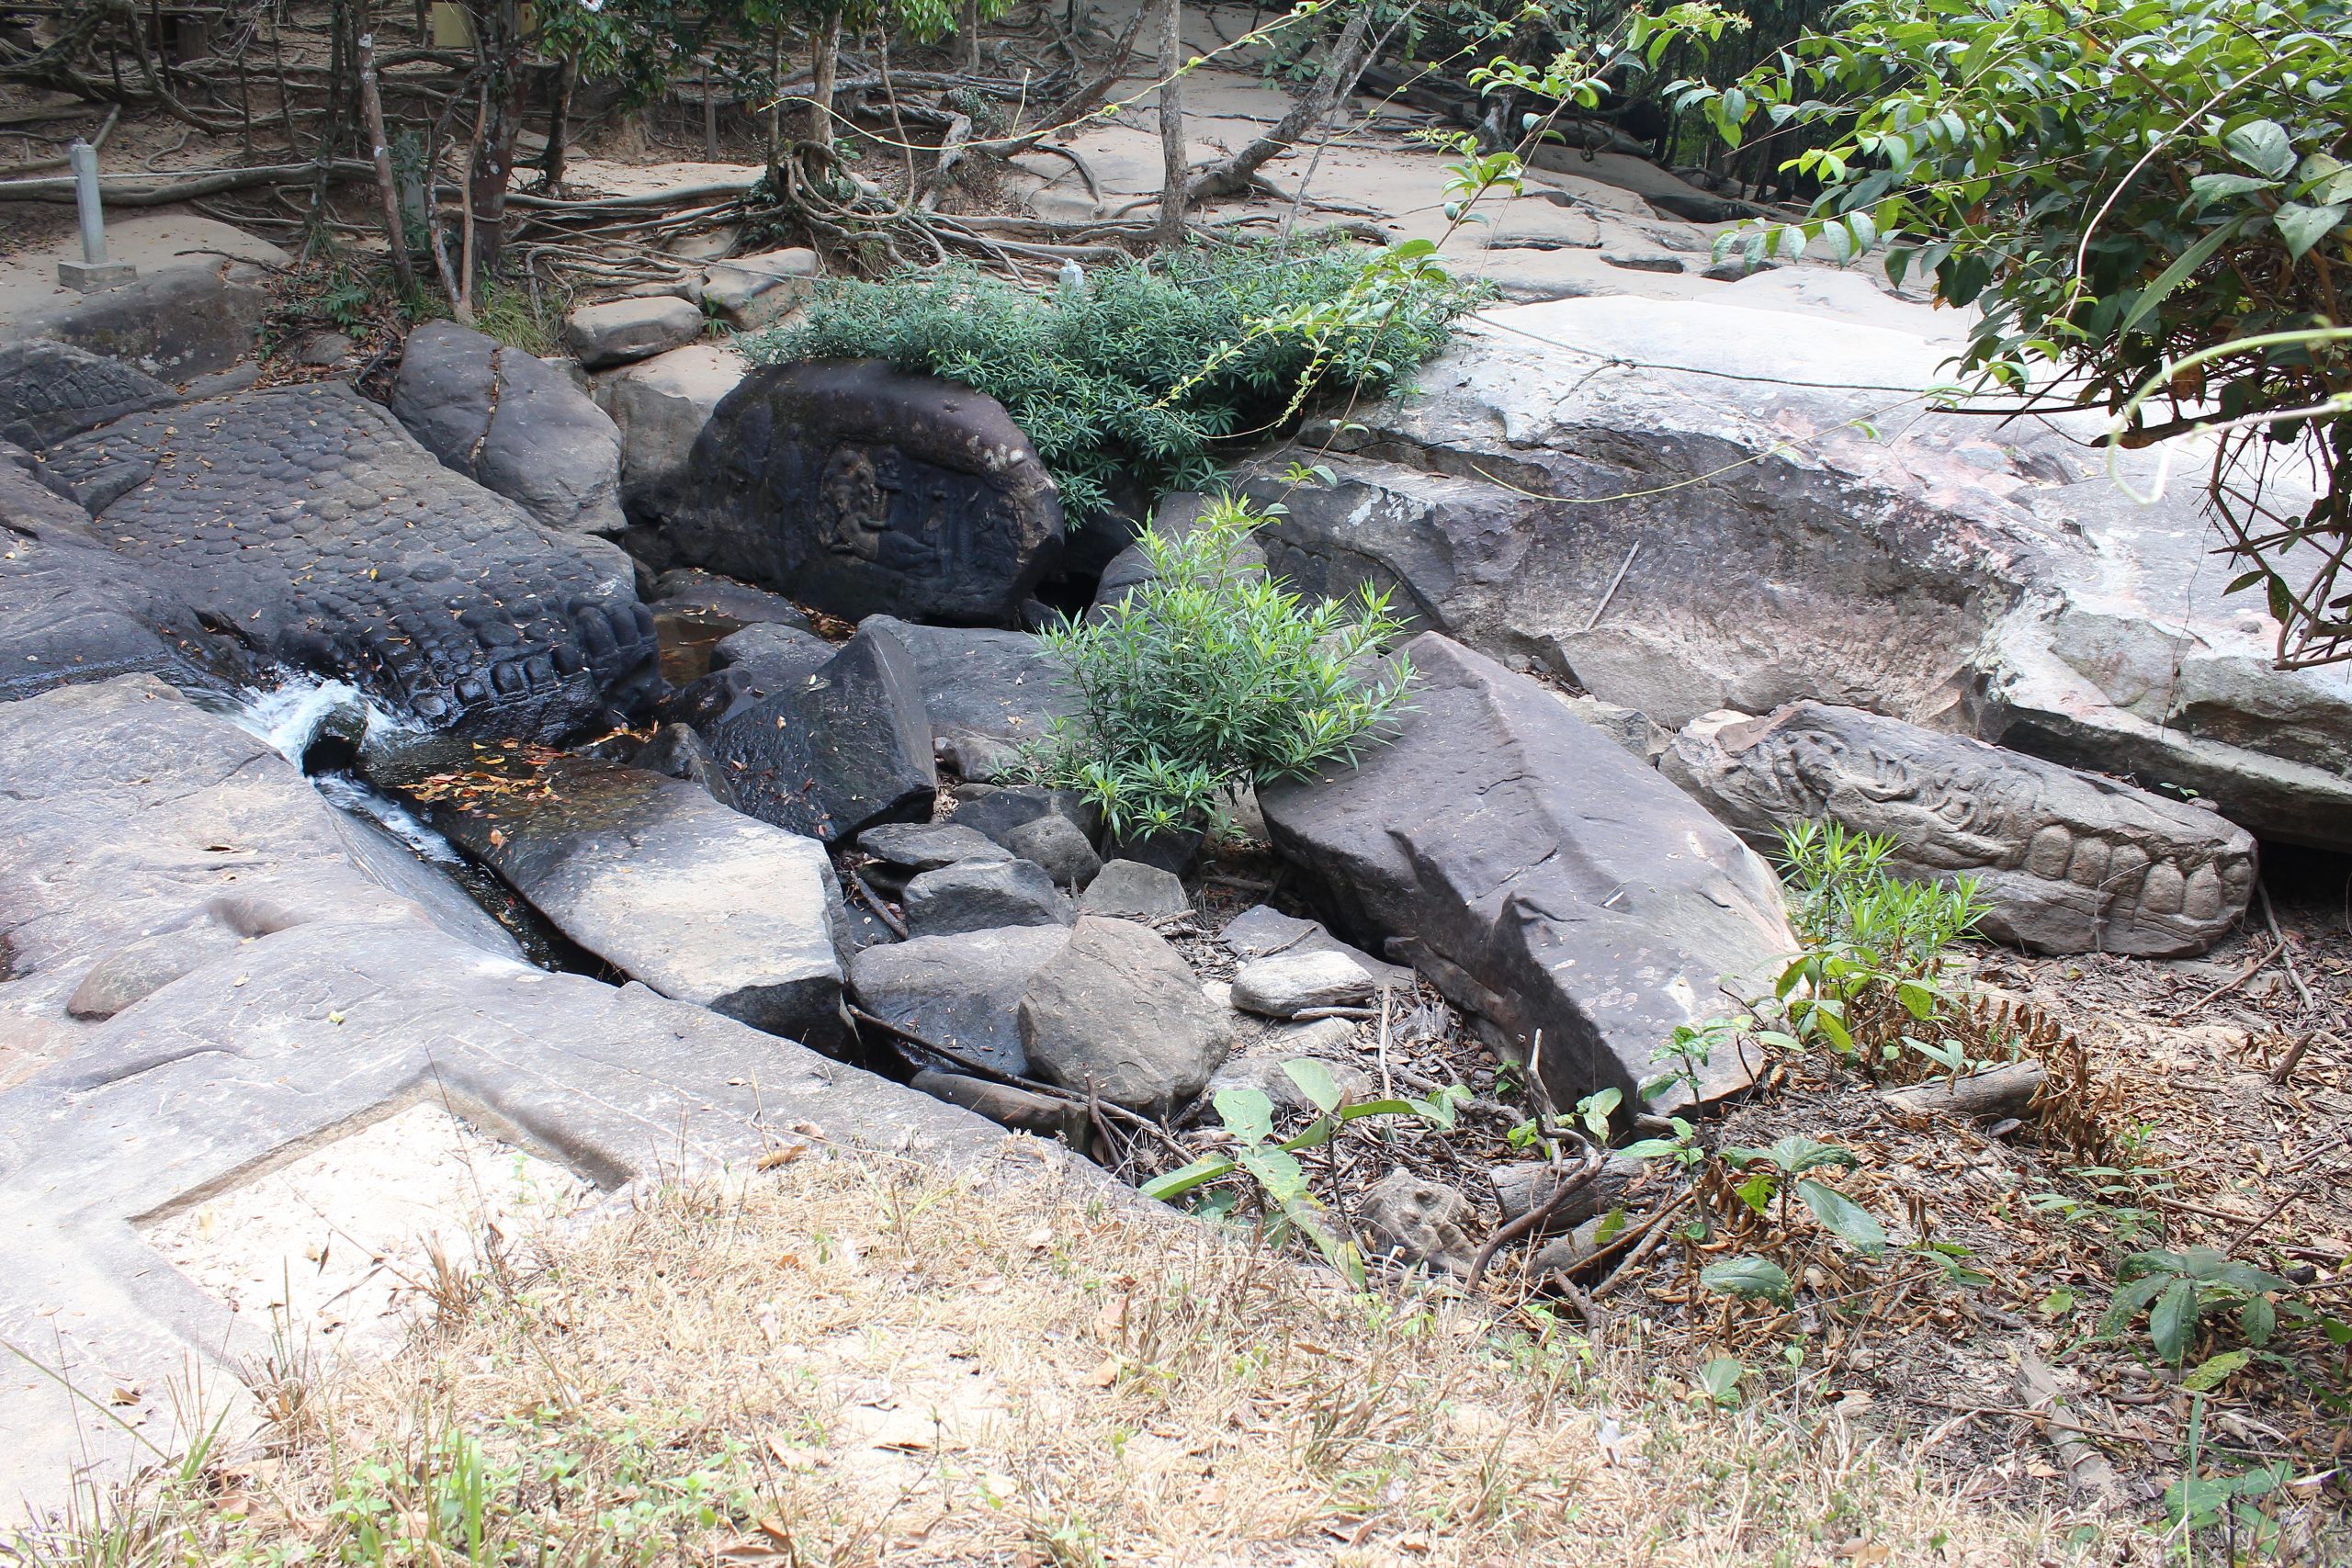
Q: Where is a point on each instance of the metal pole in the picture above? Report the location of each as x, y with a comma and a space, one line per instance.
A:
93, 271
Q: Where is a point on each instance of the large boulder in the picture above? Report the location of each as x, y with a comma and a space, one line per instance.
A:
305, 521
1118, 1012
751, 292
983, 895
514, 423
838, 750
861, 490
176, 322
659, 406
1543, 879
989, 693
655, 877
72, 610
141, 836
50, 390
2069, 862
1687, 506
961, 991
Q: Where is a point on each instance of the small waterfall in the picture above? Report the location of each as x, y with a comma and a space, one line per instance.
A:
322, 726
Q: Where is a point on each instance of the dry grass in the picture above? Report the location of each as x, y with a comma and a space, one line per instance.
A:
851, 1361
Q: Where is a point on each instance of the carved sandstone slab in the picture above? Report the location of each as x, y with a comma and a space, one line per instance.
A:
2071, 863
860, 492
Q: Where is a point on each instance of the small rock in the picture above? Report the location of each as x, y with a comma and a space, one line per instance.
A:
621, 331
1016, 1108
903, 850
772, 656
320, 349
1562, 1255
998, 811
1731, 269
1263, 930
1420, 1223
1262, 1070
983, 895
677, 753
713, 597
1642, 261
1119, 1010
1289, 982
960, 992
1630, 727
750, 292
1130, 890
1173, 849
1054, 843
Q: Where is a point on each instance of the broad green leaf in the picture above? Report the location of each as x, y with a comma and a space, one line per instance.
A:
1845, 1219
1756, 1278
1649, 1148
2215, 1370
1917, 997
1612, 1225
2262, 146
1315, 1081
2258, 1320
1757, 1191
1247, 1113
1363, 1108
2324, 179
2303, 227
1719, 1379
2173, 1320
2207, 189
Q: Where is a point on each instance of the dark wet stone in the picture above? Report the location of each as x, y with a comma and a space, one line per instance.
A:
307, 522
861, 490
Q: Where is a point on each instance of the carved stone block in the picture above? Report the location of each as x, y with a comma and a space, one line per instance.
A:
2070, 862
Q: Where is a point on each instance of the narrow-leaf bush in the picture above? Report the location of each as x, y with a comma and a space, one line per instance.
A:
1213, 674
1142, 369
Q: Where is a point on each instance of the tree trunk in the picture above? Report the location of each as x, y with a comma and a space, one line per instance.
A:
1350, 54
820, 92
497, 40
1173, 158
560, 125
371, 102
967, 35
775, 99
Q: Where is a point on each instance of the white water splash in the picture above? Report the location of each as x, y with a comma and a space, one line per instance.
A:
289, 714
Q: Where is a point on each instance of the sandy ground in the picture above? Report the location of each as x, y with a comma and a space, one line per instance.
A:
342, 1242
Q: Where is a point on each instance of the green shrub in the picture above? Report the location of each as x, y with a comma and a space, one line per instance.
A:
1141, 371
1211, 675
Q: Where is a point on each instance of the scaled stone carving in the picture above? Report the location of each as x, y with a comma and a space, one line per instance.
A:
2070, 862
861, 490
307, 523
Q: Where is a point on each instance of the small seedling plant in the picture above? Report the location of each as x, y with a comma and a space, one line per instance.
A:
1213, 675
1271, 1165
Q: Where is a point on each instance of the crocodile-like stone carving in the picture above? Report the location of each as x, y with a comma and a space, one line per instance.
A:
52, 390
307, 522
2070, 862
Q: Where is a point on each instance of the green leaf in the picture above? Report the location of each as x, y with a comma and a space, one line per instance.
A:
1757, 1191
2173, 1319
1247, 1113
1315, 1081
2213, 1372
1650, 1148
1755, 1279
2172, 277
2207, 189
1917, 997
2324, 179
1176, 1183
1719, 1379
2262, 145
1612, 1225
2258, 1320
1844, 1218
2303, 227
